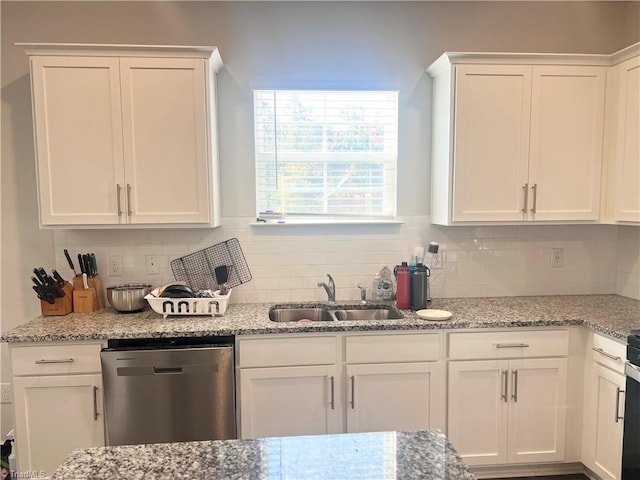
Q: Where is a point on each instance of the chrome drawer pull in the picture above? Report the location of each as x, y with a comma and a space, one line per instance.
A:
534, 189
514, 385
95, 403
333, 399
129, 212
353, 392
504, 385
49, 362
118, 190
618, 392
525, 190
608, 355
512, 345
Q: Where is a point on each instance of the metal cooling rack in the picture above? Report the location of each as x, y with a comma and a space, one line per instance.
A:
198, 268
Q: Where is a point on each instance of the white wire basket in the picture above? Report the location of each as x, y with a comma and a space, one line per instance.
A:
211, 306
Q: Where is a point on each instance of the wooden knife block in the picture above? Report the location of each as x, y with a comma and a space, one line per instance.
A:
94, 283
62, 306
85, 300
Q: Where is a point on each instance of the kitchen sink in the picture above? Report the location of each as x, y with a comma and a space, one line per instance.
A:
323, 313
281, 313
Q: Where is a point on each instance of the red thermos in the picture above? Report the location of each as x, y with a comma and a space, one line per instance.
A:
403, 286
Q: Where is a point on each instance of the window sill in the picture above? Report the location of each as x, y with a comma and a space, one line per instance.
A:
328, 221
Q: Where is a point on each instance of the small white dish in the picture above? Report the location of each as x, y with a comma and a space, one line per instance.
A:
433, 314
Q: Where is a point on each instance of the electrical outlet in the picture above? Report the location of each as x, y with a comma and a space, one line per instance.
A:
5, 393
436, 260
557, 257
152, 266
115, 265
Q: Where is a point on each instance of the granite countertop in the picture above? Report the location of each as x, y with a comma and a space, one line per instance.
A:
423, 455
612, 315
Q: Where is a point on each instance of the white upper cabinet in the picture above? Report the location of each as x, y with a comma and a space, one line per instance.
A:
565, 153
622, 139
517, 138
125, 135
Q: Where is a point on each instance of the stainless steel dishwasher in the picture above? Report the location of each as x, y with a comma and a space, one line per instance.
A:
169, 390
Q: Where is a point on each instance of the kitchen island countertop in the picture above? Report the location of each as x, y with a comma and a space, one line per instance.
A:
424, 455
612, 315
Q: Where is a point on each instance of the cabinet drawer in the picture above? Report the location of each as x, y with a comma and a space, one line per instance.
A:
414, 347
609, 352
509, 344
291, 351
56, 359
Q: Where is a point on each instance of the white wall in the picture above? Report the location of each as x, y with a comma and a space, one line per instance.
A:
308, 44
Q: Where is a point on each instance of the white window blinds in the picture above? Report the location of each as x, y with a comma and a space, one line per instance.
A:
329, 153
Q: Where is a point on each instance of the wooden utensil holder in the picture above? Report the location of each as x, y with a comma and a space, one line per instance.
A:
94, 282
85, 300
62, 305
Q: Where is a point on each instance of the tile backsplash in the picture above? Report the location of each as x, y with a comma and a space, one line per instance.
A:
288, 261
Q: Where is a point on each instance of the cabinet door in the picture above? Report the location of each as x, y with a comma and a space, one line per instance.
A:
400, 396
478, 410
604, 405
78, 138
628, 160
537, 413
45, 435
166, 150
285, 401
492, 110
567, 123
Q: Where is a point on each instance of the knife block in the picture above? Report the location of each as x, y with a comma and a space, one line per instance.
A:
85, 300
62, 306
94, 282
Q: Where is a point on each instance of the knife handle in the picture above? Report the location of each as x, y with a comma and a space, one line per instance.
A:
81, 263
66, 254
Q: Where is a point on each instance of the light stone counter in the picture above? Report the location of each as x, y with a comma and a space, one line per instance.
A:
612, 315
421, 455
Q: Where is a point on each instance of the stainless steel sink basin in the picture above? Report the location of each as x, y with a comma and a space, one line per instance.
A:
323, 313
296, 314
380, 312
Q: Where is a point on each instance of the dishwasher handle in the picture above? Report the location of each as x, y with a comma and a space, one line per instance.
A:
167, 370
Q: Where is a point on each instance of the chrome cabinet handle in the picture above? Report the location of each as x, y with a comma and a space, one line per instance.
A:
118, 191
514, 385
95, 403
505, 379
618, 392
534, 189
333, 404
49, 362
128, 199
512, 345
353, 392
608, 355
525, 189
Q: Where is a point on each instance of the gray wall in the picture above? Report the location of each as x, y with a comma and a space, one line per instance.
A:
274, 44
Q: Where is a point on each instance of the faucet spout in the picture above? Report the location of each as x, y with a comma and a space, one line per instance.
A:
330, 288
363, 294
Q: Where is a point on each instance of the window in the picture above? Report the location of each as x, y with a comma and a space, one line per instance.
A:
326, 153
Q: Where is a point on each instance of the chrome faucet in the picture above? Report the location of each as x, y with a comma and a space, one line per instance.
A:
363, 293
330, 289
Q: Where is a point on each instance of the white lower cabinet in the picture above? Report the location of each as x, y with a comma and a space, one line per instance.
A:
508, 410
604, 408
281, 401
55, 415
58, 404
309, 385
394, 396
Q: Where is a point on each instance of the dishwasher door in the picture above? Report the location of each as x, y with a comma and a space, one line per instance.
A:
169, 394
